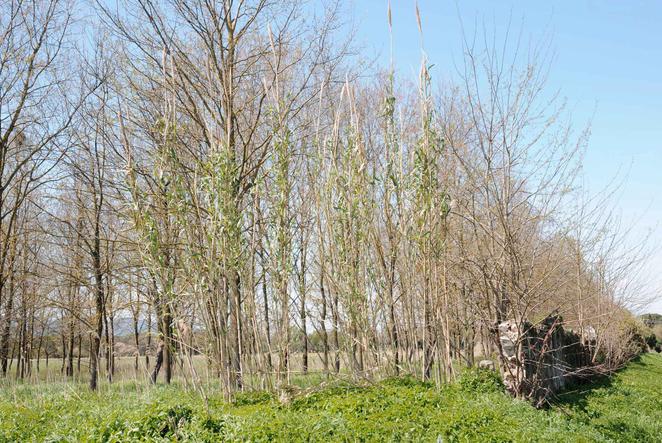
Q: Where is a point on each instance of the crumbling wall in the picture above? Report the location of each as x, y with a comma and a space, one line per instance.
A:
539, 360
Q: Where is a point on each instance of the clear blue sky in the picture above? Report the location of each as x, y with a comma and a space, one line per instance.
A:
608, 64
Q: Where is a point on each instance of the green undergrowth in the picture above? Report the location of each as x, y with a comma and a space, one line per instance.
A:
625, 408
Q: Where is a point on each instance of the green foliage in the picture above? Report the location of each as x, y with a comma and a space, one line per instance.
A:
651, 340
252, 398
626, 408
636, 334
166, 422
476, 380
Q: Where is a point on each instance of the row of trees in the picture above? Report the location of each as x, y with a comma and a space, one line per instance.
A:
227, 175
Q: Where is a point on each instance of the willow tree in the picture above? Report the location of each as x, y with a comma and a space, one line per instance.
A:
430, 207
388, 227
349, 216
153, 205
283, 244
220, 64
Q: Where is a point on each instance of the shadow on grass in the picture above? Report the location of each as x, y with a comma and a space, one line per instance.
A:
577, 395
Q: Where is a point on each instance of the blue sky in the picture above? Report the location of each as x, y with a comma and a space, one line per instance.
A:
608, 65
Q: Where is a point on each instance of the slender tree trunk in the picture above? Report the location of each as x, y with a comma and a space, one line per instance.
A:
164, 325
395, 344
4, 340
234, 333
39, 345
70, 355
80, 351
107, 339
265, 300
302, 307
111, 340
95, 341
266, 317
428, 341
19, 351
136, 337
13, 356
29, 343
159, 361
336, 341
325, 335
63, 337
168, 343
148, 346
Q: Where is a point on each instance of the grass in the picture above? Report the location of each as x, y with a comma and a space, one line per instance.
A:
627, 407
125, 371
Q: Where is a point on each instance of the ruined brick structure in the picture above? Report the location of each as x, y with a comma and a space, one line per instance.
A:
539, 360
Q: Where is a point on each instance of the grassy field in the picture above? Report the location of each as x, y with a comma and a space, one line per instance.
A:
125, 370
627, 407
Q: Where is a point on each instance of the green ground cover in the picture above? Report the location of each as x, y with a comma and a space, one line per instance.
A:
627, 407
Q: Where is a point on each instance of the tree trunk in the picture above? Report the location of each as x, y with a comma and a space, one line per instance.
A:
394, 337
4, 340
107, 339
234, 333
325, 335
167, 348
70, 359
95, 341
159, 361
64, 352
80, 351
302, 307
136, 337
266, 319
148, 345
336, 342
39, 346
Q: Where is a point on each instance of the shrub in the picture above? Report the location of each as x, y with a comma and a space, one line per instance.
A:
481, 381
166, 422
624, 408
252, 398
651, 340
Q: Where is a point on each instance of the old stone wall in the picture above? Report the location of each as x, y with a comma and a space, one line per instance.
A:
539, 360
